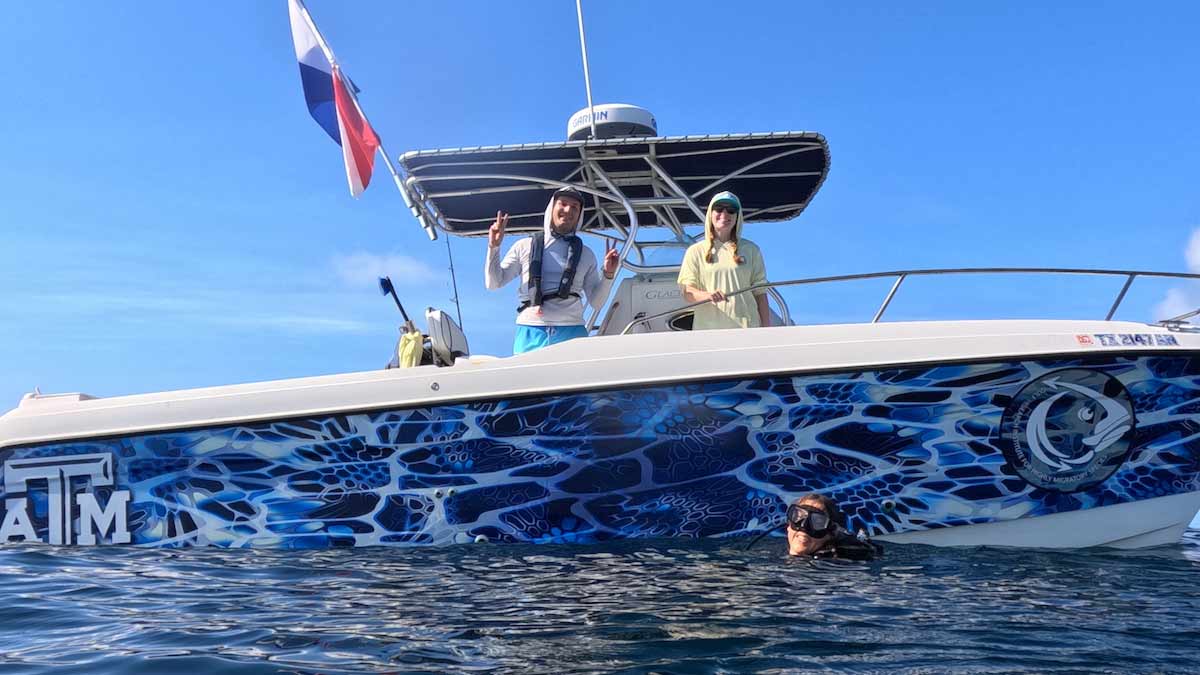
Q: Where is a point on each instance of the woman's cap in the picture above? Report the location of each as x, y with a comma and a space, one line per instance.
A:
728, 198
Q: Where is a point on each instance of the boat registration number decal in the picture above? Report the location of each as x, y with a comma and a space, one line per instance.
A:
1128, 340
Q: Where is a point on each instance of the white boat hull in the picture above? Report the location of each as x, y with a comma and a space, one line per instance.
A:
1142, 524
1020, 433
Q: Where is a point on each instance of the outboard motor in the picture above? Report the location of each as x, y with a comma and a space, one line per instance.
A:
446, 339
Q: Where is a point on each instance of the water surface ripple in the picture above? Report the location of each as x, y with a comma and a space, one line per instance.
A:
663, 606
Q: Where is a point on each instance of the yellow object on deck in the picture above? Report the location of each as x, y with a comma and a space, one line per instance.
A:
409, 350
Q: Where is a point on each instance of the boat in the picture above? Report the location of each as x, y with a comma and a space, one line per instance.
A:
1057, 433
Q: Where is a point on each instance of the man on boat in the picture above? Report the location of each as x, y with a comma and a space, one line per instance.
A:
816, 528
557, 271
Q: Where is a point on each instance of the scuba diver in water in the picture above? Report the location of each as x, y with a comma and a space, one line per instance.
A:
817, 528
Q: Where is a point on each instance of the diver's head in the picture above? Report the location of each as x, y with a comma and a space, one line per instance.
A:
565, 209
812, 523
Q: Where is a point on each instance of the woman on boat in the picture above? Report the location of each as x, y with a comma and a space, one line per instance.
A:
722, 264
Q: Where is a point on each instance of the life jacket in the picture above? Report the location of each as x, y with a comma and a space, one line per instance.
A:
537, 243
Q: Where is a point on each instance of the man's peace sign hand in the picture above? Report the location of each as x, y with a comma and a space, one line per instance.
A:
496, 231
610, 259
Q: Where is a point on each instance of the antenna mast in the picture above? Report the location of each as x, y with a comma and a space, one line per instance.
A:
587, 80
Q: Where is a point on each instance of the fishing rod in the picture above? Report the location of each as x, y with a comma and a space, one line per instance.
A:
454, 284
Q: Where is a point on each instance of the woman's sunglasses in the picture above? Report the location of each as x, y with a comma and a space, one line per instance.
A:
810, 520
725, 208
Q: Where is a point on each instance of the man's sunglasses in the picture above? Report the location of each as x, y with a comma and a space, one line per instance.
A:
810, 520
725, 208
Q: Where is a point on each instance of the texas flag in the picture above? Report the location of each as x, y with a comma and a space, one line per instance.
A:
331, 104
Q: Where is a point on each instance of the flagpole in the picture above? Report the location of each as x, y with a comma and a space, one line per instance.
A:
387, 161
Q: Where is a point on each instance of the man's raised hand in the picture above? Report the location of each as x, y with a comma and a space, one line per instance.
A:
610, 259
496, 231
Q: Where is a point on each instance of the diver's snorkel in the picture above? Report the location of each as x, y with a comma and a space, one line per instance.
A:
761, 535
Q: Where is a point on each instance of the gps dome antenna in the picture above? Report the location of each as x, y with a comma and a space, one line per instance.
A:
587, 80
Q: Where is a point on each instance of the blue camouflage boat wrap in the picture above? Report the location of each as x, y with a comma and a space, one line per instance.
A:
901, 449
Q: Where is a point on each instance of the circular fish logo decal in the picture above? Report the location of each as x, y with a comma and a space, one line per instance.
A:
1068, 430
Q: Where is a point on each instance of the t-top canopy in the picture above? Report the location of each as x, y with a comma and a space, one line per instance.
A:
666, 181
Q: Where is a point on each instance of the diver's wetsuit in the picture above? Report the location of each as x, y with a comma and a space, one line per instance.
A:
845, 546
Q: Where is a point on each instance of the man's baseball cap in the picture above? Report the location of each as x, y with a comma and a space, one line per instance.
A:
568, 193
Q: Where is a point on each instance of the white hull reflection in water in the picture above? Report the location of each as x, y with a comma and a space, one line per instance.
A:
651, 606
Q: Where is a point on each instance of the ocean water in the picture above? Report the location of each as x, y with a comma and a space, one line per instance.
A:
661, 606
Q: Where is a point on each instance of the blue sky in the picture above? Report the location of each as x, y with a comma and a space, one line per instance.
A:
172, 217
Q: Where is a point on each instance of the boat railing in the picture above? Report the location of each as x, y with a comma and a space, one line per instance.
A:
902, 275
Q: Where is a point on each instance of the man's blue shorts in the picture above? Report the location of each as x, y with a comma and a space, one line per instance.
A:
530, 338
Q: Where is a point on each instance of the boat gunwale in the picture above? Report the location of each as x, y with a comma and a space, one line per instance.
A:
6, 445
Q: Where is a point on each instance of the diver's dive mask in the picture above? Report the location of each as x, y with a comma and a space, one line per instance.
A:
810, 520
